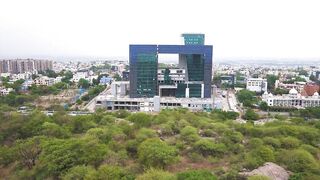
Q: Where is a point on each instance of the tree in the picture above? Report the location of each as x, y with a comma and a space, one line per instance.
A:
263, 106
156, 174
207, 147
53, 130
49, 73
140, 119
28, 151
196, 175
83, 83
251, 115
58, 156
80, 124
280, 91
156, 153
303, 72
271, 79
117, 77
246, 97
313, 78
67, 77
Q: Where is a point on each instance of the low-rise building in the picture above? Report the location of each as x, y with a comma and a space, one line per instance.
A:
58, 79
257, 84
79, 75
105, 80
5, 91
119, 99
44, 81
292, 100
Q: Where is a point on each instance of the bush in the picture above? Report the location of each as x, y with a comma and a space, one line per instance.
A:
78, 172
156, 153
312, 150
207, 147
196, 175
113, 172
189, 134
144, 134
298, 161
275, 143
156, 174
259, 177
255, 143
289, 142
258, 157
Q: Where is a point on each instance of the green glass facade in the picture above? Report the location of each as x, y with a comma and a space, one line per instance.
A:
147, 66
181, 90
195, 64
194, 90
193, 39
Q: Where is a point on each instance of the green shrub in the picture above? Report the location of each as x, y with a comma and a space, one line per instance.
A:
156, 174
208, 147
156, 153
298, 161
196, 175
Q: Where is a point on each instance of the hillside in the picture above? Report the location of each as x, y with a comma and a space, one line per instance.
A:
174, 144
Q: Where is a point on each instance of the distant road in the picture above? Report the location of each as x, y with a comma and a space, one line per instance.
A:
92, 104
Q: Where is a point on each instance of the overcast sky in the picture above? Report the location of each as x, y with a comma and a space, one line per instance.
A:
102, 28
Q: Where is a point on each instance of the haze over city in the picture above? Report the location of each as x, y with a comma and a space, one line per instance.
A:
77, 29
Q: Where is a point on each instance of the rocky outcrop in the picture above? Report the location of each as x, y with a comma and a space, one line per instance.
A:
271, 170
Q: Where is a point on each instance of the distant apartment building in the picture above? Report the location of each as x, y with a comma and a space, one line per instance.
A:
257, 84
17, 66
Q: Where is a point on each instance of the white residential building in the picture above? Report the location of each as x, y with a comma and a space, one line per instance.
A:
257, 84
23, 76
79, 75
5, 91
292, 100
44, 81
58, 79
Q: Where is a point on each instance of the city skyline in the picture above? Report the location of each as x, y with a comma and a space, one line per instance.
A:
98, 29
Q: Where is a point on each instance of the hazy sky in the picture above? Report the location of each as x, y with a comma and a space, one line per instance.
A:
102, 28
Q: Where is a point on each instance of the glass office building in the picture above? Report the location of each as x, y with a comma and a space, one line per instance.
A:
194, 57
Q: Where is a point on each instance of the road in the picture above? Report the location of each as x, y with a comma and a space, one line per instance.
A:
92, 104
225, 100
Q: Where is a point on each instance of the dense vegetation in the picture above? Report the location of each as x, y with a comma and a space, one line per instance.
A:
174, 144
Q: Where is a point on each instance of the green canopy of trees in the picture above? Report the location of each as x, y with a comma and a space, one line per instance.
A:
172, 144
